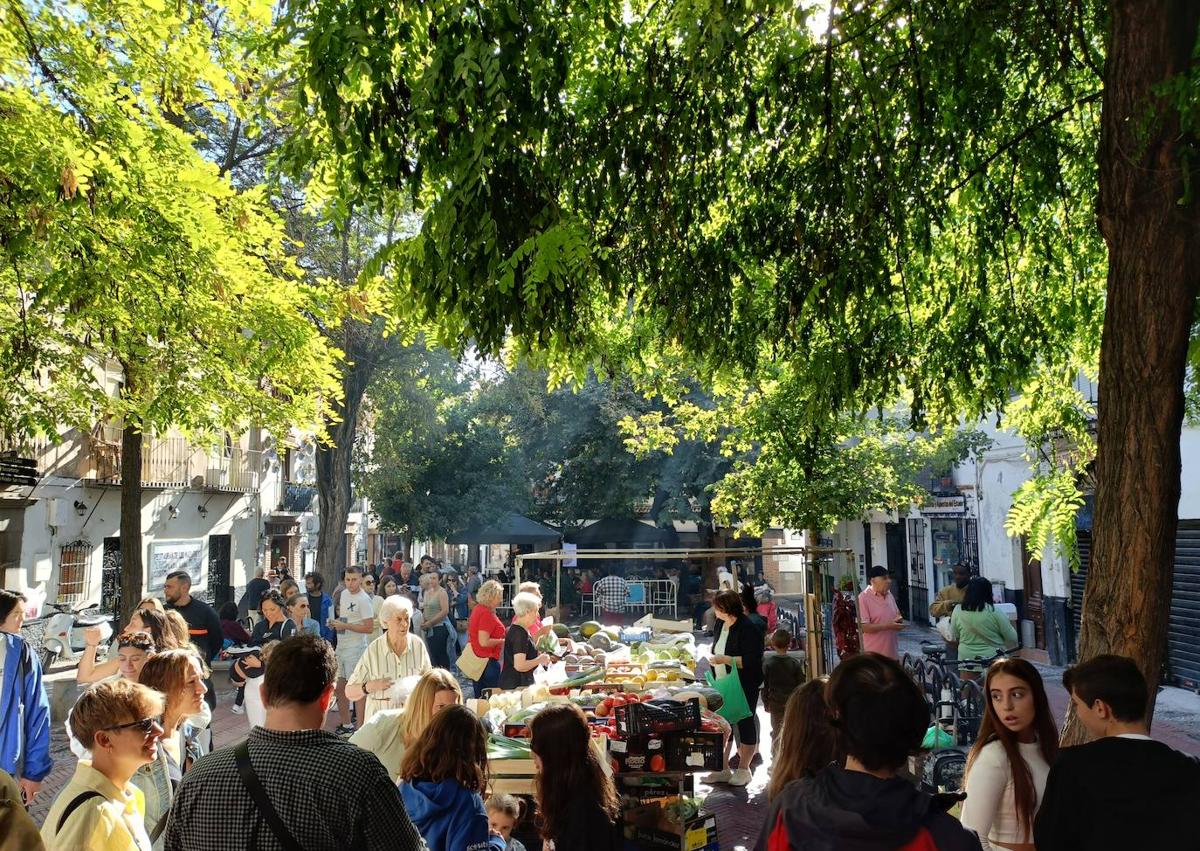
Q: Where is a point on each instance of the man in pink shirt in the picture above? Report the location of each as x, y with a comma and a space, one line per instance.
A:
880, 617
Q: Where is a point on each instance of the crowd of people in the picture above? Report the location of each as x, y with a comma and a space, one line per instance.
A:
407, 766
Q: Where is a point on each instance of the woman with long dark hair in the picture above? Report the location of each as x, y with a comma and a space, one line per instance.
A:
1008, 766
980, 630
808, 741
442, 779
576, 799
738, 648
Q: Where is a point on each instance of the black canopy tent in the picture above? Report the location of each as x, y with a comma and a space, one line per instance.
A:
508, 529
614, 533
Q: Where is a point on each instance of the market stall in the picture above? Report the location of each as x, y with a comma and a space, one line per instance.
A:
653, 726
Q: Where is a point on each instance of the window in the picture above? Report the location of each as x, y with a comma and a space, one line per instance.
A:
73, 573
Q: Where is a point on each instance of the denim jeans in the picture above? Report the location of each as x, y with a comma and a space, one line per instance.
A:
491, 676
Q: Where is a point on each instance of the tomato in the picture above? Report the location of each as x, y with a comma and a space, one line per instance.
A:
603, 708
616, 767
658, 763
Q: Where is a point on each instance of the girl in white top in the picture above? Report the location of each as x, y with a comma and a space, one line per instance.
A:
1007, 768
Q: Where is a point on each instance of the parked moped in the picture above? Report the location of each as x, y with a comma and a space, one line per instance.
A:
64, 635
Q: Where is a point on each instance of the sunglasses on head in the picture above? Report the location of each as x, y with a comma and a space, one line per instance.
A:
145, 726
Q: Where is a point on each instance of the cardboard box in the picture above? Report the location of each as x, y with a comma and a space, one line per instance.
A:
651, 830
644, 788
663, 624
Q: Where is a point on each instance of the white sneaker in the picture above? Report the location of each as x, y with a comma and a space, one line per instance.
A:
717, 777
237, 710
741, 777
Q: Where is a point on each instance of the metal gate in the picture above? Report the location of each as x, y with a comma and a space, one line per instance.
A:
219, 590
110, 580
1183, 629
918, 589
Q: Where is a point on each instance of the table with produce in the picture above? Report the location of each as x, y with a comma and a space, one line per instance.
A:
653, 726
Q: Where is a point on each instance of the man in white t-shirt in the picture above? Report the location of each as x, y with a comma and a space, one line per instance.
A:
353, 624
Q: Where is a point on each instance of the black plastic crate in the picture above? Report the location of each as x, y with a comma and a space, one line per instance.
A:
668, 716
694, 751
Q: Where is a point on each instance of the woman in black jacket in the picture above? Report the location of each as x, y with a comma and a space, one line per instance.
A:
738, 645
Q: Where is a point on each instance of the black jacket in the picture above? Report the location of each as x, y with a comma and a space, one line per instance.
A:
1120, 793
745, 640
840, 810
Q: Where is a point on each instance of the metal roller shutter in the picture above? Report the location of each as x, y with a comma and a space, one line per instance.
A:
1078, 580
1183, 630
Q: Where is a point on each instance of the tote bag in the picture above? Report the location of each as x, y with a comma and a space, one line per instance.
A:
470, 664
735, 708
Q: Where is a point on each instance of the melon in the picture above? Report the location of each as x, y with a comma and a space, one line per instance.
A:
590, 628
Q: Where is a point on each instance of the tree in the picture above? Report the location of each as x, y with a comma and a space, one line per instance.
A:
898, 202
123, 245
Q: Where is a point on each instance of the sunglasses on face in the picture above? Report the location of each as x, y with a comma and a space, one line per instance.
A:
145, 726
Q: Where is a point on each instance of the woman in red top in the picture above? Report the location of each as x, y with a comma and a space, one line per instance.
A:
487, 633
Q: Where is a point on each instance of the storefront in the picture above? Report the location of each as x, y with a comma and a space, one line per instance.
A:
954, 536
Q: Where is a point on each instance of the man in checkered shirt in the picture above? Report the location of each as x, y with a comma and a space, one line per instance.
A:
329, 794
611, 594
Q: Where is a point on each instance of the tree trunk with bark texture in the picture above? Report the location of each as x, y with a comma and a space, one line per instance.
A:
132, 591
1151, 223
333, 459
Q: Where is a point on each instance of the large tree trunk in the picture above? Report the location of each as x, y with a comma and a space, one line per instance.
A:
333, 459
131, 520
1151, 223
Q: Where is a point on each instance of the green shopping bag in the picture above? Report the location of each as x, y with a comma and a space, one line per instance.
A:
735, 707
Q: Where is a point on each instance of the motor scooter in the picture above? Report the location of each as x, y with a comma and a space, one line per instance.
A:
64, 635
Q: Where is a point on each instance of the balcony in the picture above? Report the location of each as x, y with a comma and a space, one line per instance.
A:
296, 498
173, 462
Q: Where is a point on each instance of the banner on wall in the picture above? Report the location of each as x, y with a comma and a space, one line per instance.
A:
169, 556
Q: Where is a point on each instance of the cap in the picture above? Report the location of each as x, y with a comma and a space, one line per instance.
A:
877, 570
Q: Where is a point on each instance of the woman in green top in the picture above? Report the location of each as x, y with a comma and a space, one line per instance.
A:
980, 630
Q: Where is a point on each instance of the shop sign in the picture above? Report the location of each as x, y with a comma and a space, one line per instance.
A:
169, 556
945, 506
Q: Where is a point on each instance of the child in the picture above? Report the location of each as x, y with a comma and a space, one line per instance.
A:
248, 672
782, 675
504, 814
441, 777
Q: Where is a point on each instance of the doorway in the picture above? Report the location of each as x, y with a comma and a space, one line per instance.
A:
1031, 573
219, 590
897, 567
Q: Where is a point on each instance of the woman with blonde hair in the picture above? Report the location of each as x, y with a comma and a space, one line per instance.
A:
179, 676
485, 631
393, 656
390, 732
435, 608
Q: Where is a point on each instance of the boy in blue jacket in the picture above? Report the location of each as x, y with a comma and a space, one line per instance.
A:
24, 716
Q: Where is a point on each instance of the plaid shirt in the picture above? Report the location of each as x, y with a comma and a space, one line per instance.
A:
328, 792
611, 594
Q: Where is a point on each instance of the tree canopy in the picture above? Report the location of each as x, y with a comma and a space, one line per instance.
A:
123, 245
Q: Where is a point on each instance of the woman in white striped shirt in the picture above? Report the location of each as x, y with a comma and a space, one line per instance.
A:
391, 657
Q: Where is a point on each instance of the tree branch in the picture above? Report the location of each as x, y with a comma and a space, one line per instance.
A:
47, 71
1021, 137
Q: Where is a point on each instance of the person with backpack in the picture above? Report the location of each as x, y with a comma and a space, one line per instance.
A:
880, 717
101, 809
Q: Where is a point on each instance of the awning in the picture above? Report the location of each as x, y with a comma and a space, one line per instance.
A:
509, 529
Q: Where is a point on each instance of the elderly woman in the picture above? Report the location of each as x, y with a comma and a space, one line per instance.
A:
486, 633
394, 655
520, 655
